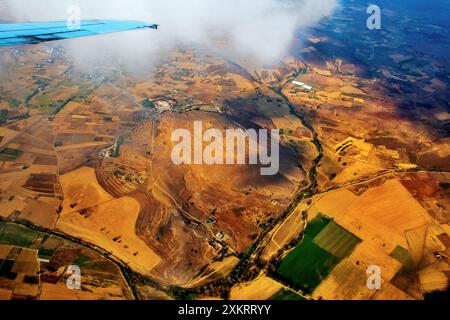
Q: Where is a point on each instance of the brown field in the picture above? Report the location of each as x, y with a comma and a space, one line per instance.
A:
432, 190
389, 292
111, 225
7, 135
385, 212
4, 251
61, 292
43, 183
5, 294
262, 288
26, 262
40, 213
46, 160
10, 204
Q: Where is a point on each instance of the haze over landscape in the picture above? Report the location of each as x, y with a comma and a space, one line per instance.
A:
260, 30
95, 171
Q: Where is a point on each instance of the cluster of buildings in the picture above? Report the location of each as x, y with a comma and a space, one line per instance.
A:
108, 152
164, 104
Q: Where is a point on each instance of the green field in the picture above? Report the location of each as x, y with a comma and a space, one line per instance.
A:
325, 244
402, 255
8, 154
285, 294
16, 235
336, 240
308, 264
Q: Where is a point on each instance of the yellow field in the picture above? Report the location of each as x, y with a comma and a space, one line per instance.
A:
7, 207
416, 241
333, 204
366, 254
384, 217
111, 226
434, 278
262, 288
269, 251
383, 214
61, 292
346, 282
81, 190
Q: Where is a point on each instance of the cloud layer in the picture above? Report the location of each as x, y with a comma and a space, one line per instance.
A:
261, 30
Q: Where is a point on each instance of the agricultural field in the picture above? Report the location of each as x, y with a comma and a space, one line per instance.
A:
286, 294
396, 234
25, 252
111, 225
16, 235
87, 175
11, 155
311, 262
263, 288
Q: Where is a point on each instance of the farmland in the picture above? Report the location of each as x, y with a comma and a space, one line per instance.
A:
260, 289
87, 177
110, 225
308, 264
16, 235
21, 246
286, 295
336, 240
10, 154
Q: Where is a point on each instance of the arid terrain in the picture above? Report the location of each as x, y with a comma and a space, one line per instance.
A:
86, 176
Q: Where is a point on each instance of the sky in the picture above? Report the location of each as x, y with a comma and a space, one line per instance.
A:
259, 30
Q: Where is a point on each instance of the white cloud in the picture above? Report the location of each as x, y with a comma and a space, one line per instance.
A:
258, 29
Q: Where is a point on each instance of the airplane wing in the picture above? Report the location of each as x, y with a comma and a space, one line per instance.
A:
12, 34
